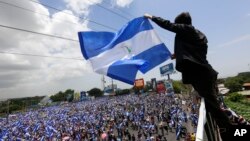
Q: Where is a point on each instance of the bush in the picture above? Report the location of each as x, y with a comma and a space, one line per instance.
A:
241, 108
122, 92
235, 97
95, 92
234, 84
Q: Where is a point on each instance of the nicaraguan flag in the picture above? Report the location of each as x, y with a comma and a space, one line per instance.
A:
120, 55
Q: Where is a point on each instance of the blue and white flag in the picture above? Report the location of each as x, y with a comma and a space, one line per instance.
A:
120, 55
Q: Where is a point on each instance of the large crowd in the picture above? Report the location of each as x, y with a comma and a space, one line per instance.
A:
130, 117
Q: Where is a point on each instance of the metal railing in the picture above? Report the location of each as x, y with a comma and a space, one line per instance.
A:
207, 129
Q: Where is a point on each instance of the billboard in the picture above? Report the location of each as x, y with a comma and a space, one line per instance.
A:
149, 84
139, 83
160, 88
169, 86
167, 69
153, 82
83, 96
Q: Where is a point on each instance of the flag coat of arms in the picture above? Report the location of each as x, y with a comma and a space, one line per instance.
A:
120, 55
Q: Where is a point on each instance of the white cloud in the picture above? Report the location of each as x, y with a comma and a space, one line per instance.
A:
26, 73
122, 3
81, 6
236, 41
40, 75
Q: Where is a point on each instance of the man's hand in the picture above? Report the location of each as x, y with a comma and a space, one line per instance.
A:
173, 56
146, 15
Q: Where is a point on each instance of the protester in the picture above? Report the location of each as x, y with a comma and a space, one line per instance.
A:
190, 52
193, 137
126, 117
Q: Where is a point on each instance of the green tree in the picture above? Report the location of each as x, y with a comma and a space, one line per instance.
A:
95, 92
234, 84
177, 85
221, 81
180, 87
146, 88
122, 92
69, 95
235, 97
14, 107
245, 76
63, 96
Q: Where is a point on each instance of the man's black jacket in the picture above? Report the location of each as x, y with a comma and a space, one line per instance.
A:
190, 43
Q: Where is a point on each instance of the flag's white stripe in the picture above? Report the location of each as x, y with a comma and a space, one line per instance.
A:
139, 43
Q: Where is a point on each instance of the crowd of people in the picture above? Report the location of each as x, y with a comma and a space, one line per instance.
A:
130, 117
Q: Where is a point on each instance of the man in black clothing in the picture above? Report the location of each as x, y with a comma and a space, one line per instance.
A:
190, 52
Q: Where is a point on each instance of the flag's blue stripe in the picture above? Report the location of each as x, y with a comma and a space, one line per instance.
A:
126, 70
94, 43
154, 56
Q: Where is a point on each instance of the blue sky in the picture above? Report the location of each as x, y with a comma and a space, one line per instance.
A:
225, 23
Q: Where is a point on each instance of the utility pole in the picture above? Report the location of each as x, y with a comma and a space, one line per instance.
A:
103, 82
8, 110
112, 84
168, 77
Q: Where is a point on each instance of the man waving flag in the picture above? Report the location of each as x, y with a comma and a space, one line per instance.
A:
120, 55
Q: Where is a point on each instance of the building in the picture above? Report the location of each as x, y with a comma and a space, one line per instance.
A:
245, 93
246, 86
222, 89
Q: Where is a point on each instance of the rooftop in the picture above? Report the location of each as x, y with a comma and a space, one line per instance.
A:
246, 84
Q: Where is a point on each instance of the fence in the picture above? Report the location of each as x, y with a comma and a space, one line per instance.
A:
207, 129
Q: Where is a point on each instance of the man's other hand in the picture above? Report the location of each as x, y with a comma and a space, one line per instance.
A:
146, 15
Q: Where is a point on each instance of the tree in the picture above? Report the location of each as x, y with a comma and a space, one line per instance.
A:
235, 97
70, 95
14, 107
146, 88
244, 76
63, 96
95, 92
220, 81
234, 84
122, 92
177, 85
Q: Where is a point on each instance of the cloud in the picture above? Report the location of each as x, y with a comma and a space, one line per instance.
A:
122, 3
81, 6
236, 41
23, 73
41, 75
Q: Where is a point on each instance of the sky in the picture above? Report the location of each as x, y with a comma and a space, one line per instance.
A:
34, 64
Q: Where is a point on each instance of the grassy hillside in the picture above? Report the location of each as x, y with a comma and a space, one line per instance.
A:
241, 107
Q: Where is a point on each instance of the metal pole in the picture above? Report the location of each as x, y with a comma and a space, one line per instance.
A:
168, 77
112, 85
103, 81
8, 111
